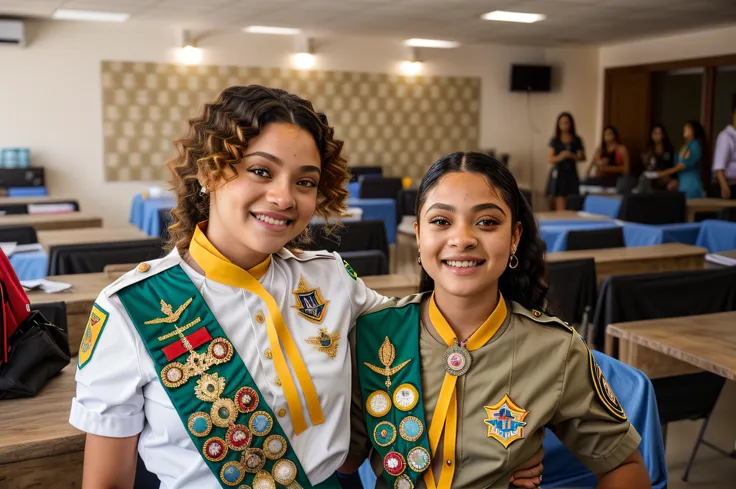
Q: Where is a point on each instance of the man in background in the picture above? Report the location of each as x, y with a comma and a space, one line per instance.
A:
724, 158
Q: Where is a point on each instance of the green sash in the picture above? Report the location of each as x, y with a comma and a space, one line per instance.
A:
218, 401
392, 390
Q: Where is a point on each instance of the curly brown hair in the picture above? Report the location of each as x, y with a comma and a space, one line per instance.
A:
217, 141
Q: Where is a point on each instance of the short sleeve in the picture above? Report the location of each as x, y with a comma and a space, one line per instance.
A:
362, 298
109, 400
589, 421
695, 153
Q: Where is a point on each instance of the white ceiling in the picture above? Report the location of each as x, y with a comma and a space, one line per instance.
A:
568, 21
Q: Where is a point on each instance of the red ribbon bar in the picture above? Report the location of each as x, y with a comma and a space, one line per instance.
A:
198, 338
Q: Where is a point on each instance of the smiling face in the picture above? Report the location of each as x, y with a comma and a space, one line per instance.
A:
465, 235
273, 197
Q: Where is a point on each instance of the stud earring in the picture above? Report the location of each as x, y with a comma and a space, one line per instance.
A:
203, 191
419, 257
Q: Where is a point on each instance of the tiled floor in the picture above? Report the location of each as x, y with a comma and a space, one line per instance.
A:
711, 469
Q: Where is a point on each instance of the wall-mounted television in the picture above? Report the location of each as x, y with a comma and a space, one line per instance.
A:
531, 78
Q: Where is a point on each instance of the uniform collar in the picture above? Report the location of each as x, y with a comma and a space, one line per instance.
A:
481, 336
216, 266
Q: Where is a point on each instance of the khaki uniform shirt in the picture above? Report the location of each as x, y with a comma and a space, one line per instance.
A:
544, 367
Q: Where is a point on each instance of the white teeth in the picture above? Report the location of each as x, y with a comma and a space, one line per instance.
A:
462, 264
270, 221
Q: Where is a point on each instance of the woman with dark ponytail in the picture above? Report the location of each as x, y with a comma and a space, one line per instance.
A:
477, 342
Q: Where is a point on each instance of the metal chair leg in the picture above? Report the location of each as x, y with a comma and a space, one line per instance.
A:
701, 433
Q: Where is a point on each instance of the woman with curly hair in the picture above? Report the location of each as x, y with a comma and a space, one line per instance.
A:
225, 363
468, 373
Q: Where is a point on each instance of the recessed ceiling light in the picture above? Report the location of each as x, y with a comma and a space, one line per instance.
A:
68, 14
513, 17
431, 43
264, 29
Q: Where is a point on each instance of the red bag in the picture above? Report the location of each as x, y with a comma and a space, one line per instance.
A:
14, 303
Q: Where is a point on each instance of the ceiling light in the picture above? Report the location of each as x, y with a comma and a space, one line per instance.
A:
189, 55
513, 17
264, 29
304, 61
67, 14
410, 68
431, 43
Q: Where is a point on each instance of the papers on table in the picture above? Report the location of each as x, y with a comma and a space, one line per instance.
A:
12, 248
45, 285
720, 259
50, 208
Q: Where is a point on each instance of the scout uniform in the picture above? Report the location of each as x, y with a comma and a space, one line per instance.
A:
442, 414
228, 377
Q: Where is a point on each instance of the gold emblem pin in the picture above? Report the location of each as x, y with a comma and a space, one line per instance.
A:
387, 355
325, 342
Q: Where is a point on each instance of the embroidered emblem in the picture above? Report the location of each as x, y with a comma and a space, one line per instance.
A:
310, 304
200, 424
214, 449
384, 433
505, 421
378, 404
350, 270
284, 472
95, 325
406, 397
387, 355
411, 428
604, 391
209, 388
253, 460
232, 473
176, 374
418, 459
274, 447
260, 423
263, 480
246, 399
223, 412
326, 343
394, 463
170, 316
403, 482
238, 437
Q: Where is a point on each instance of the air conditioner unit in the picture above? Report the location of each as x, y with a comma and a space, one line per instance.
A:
12, 33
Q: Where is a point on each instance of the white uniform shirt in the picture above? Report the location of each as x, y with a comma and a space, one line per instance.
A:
724, 157
119, 393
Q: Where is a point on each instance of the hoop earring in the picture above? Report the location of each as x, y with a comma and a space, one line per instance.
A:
419, 257
513, 264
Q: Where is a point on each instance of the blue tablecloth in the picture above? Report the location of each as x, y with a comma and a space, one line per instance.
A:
636, 394
383, 209
144, 212
554, 233
31, 265
717, 236
27, 192
650, 235
354, 190
604, 206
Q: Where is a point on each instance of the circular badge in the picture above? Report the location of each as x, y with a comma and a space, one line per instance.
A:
403, 482
260, 423
411, 428
214, 449
418, 459
384, 433
244, 486
457, 360
406, 397
394, 463
209, 387
220, 350
378, 404
246, 399
253, 460
223, 412
232, 473
172, 375
275, 447
200, 424
284, 472
263, 480
238, 437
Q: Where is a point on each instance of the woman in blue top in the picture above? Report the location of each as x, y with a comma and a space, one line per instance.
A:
689, 160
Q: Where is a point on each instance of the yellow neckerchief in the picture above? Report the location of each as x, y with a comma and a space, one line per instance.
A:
445, 412
218, 268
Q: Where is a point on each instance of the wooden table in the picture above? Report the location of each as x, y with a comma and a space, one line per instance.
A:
706, 205
38, 446
87, 286
675, 346
35, 200
667, 257
91, 235
569, 216
45, 222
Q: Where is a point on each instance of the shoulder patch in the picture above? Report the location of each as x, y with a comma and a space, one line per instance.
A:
540, 317
604, 391
95, 325
350, 270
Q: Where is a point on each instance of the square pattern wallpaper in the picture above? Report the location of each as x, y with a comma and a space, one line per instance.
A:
400, 123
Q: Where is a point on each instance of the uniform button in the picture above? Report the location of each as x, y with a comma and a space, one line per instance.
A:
269, 355
536, 313
278, 382
144, 267
281, 413
449, 462
260, 318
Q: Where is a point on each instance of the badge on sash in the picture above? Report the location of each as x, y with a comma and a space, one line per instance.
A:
95, 324
505, 421
309, 302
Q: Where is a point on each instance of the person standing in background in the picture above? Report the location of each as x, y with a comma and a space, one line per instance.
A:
660, 156
565, 150
611, 159
724, 158
689, 160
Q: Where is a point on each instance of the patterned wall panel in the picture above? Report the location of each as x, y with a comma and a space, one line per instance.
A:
400, 123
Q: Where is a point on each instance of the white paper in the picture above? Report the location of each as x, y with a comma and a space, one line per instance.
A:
8, 248
50, 208
45, 285
27, 248
720, 259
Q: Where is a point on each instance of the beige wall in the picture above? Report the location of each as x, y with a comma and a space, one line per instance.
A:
50, 94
